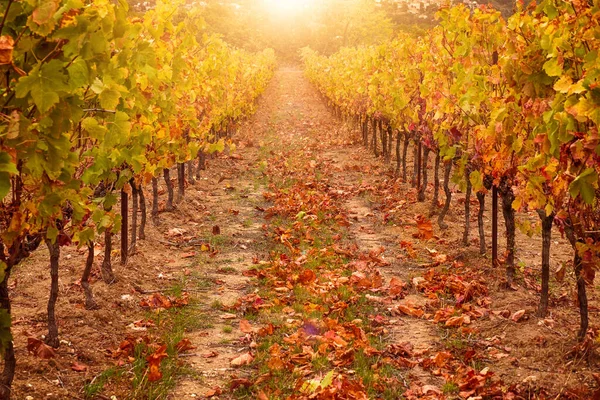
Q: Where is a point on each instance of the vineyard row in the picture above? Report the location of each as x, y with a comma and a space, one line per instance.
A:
508, 107
97, 103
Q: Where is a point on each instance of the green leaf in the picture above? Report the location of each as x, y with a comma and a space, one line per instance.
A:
91, 126
52, 233
476, 180
109, 98
4, 184
79, 74
6, 164
553, 68
585, 186
44, 84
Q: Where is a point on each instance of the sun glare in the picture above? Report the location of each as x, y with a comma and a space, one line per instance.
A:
287, 8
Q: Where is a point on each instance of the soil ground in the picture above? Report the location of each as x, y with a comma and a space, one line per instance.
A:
223, 229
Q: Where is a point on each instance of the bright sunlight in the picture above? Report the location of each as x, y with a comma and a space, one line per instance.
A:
288, 8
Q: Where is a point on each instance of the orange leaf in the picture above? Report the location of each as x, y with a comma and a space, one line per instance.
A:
79, 367
396, 286
442, 358
415, 312
154, 361
40, 349
245, 326
307, 276
425, 228
184, 345
213, 392
262, 396
242, 360
518, 315
455, 321
6, 50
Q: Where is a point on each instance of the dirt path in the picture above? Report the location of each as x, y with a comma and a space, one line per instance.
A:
293, 132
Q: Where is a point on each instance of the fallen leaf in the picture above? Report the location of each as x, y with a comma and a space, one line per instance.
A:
430, 389
262, 396
174, 232
157, 300
239, 382
154, 361
188, 255
245, 326
455, 321
40, 349
213, 392
184, 345
212, 354
228, 316
425, 228
415, 312
516, 317
79, 367
307, 276
396, 286
242, 360
216, 230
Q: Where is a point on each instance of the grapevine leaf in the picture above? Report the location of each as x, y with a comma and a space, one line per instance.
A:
585, 186
44, 84
4, 184
6, 164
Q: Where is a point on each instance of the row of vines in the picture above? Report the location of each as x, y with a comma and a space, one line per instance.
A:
510, 107
96, 104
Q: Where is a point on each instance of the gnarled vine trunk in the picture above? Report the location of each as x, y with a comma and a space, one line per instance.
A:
142, 234
170, 195
547, 221
436, 185
375, 149
508, 212
467, 230
54, 250
124, 226
134, 216
180, 182
154, 213
581, 289
404, 154
201, 163
90, 303
398, 157
448, 192
423, 188
107, 272
480, 213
